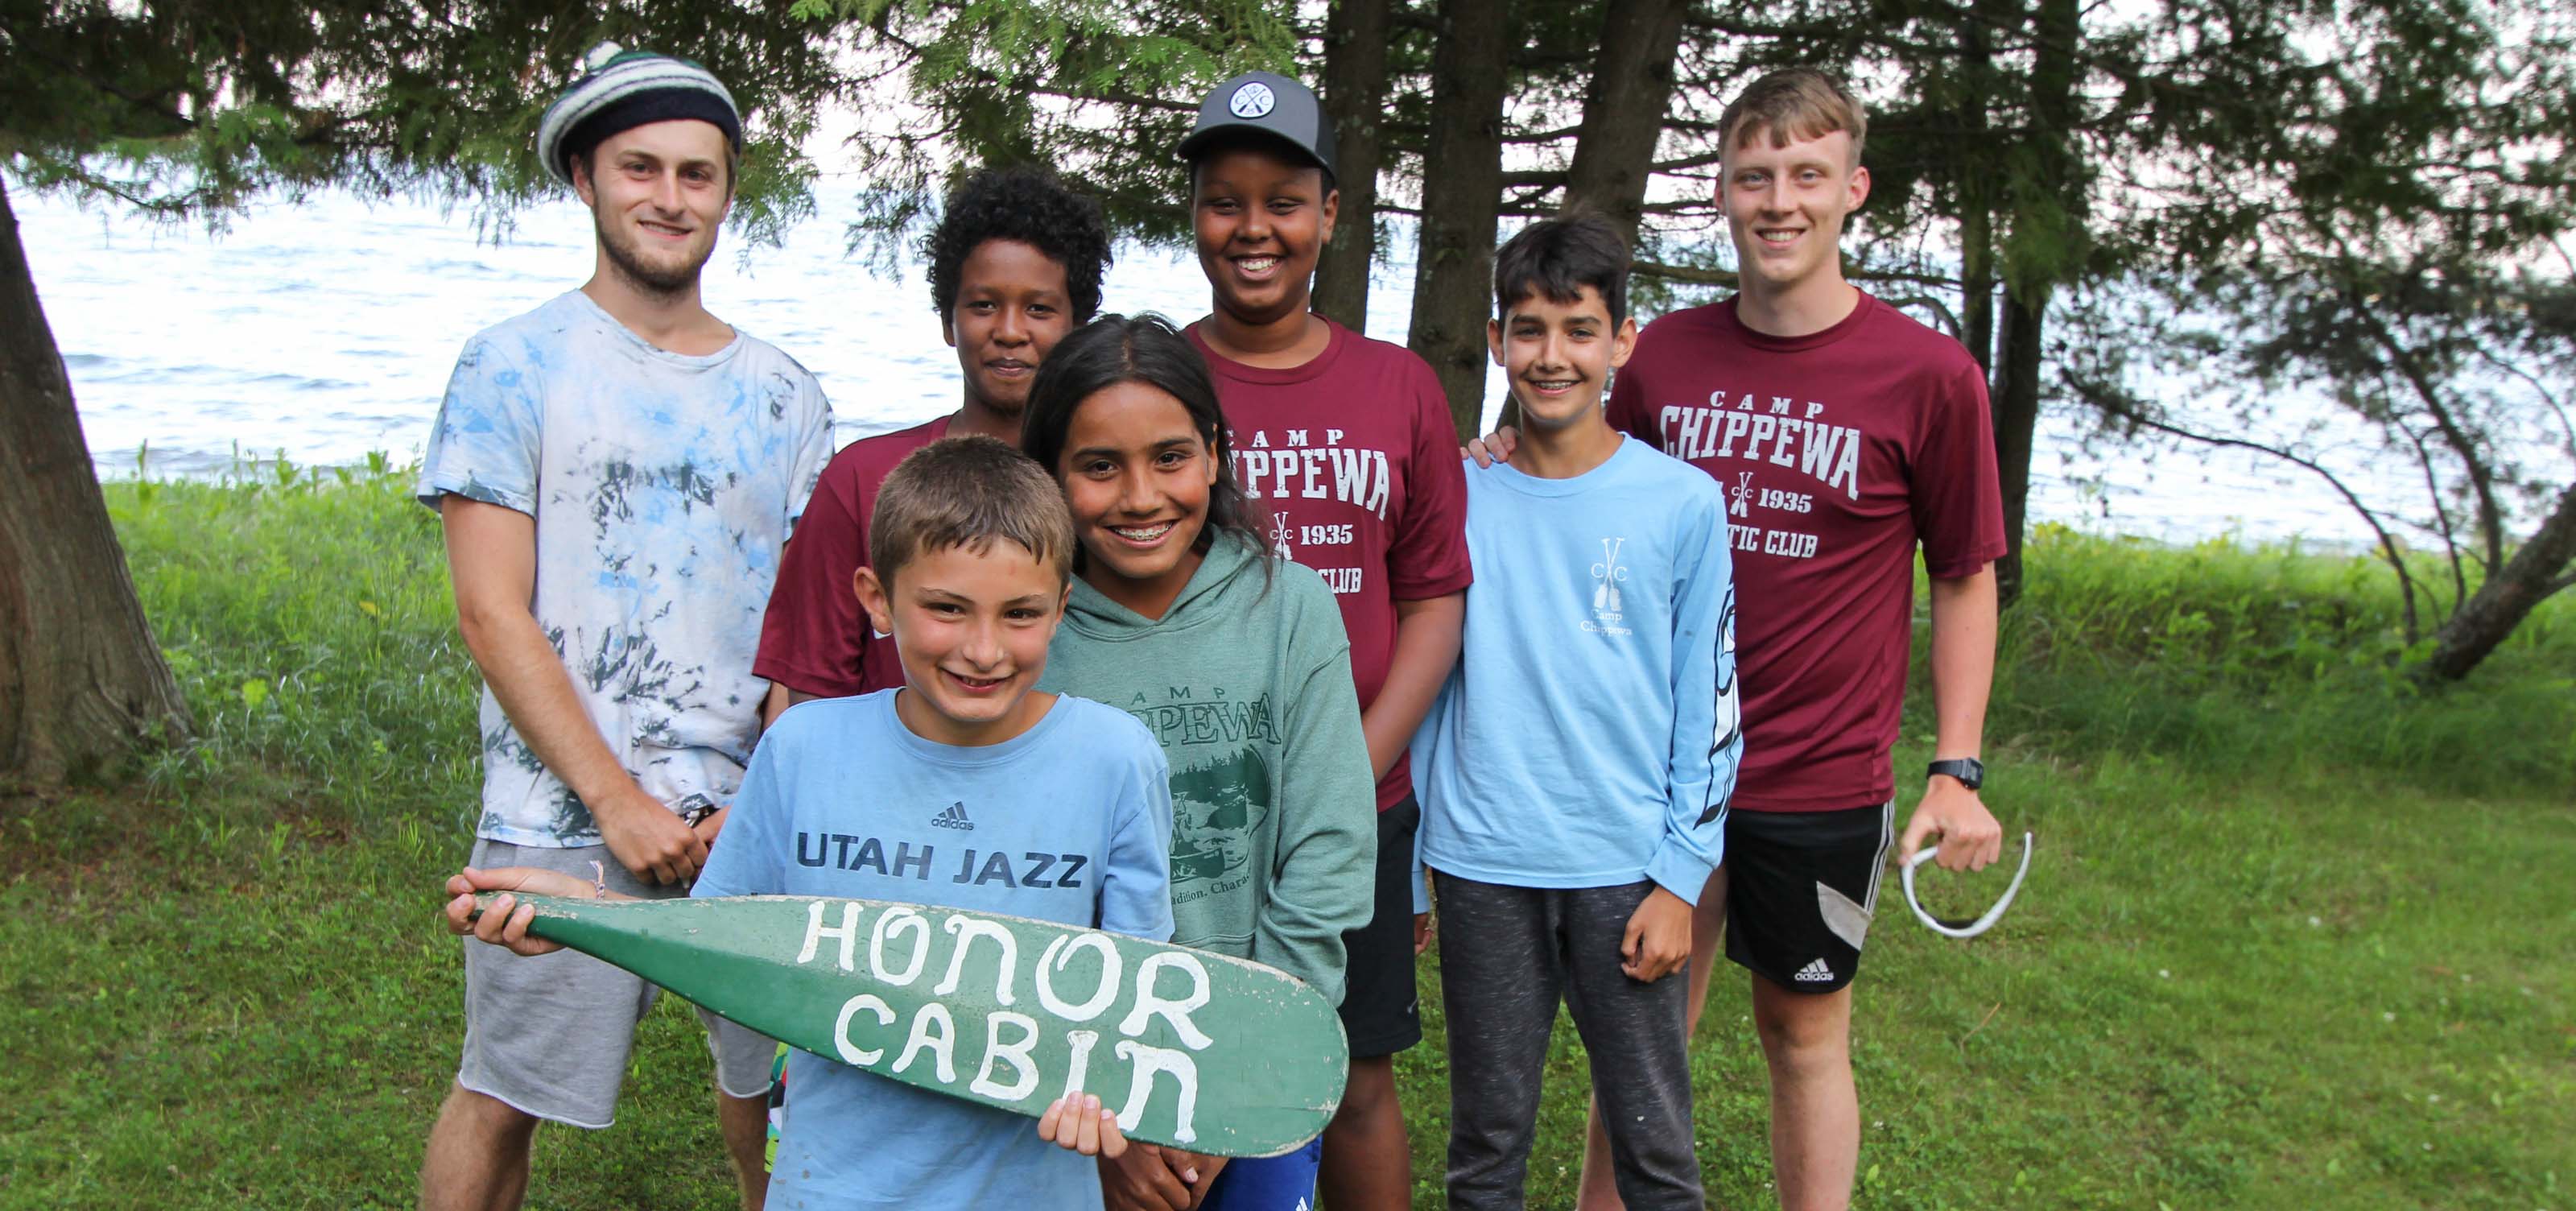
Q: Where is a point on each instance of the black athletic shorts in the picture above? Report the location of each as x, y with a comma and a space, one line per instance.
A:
1800, 890
1380, 1010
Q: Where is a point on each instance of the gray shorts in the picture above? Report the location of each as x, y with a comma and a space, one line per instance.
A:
550, 1035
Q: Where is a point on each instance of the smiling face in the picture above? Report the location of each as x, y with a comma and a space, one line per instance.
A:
1136, 474
1558, 356
657, 194
1261, 219
970, 629
1012, 307
1785, 208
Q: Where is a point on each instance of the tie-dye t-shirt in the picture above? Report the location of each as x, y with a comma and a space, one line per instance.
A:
663, 487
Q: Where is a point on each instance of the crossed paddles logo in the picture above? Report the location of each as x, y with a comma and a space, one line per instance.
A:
1609, 572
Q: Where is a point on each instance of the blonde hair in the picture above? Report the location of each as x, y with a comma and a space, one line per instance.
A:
968, 492
1790, 105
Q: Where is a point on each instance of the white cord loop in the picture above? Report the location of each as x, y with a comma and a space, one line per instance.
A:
1962, 929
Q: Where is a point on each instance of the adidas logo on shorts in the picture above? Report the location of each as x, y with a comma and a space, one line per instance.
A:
953, 816
1815, 972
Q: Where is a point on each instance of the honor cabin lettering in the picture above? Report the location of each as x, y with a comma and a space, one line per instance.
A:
1033, 1025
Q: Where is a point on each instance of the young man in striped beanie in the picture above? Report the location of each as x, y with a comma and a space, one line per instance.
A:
616, 472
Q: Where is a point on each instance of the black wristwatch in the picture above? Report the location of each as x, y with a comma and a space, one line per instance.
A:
1970, 772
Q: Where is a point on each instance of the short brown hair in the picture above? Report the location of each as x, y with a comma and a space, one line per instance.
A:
968, 492
1792, 104
1556, 258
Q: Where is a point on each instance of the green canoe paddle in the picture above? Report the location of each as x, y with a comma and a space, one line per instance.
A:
1193, 1049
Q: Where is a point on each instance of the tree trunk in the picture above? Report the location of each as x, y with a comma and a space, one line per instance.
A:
1355, 33
1462, 185
1623, 118
1976, 212
2060, 184
81, 681
1977, 287
2539, 569
2016, 419
1623, 110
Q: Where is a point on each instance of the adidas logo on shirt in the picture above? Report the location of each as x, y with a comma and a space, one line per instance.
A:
954, 816
1815, 972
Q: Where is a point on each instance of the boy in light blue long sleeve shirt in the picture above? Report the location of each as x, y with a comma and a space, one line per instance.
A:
1576, 768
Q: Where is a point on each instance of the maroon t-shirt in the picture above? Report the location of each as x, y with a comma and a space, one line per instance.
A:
1837, 451
815, 638
1354, 458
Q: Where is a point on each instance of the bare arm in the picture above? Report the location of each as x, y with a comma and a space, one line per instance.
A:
1427, 634
780, 698
492, 561
1963, 673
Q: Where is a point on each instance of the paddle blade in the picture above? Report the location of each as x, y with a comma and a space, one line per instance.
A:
1197, 1050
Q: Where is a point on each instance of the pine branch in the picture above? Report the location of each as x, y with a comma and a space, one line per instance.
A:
2120, 406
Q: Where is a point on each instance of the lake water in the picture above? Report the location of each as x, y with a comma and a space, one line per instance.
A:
326, 330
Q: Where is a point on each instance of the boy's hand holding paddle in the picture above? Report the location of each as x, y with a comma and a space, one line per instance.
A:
507, 923
1077, 1122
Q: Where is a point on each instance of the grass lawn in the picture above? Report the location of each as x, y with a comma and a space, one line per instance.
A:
2296, 937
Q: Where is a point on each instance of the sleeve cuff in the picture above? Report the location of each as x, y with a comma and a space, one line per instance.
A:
1425, 590
1959, 567
430, 490
804, 680
1677, 871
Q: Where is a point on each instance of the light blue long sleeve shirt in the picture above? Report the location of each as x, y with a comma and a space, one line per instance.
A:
1589, 736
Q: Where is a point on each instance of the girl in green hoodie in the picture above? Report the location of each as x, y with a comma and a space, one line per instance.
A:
1236, 660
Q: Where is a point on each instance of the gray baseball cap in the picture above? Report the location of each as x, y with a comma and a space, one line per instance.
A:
1268, 103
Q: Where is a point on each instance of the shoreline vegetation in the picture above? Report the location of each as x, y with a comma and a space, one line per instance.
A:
2296, 935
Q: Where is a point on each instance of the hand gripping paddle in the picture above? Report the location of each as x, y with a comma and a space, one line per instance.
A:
1962, 929
1198, 1050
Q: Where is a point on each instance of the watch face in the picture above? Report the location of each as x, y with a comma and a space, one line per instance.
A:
1970, 772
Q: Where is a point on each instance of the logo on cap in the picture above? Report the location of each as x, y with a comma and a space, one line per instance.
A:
1253, 100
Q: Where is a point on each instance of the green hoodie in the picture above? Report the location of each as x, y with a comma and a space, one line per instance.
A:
1246, 681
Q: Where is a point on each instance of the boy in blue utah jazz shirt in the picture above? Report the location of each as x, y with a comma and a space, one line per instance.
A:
1575, 771
966, 789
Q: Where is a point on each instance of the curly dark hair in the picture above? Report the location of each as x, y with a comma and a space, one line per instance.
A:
1027, 204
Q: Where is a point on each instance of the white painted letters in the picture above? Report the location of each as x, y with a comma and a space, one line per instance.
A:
966, 930
942, 1046
847, 932
851, 1053
1059, 952
1151, 1004
892, 920
1015, 1054
1143, 1062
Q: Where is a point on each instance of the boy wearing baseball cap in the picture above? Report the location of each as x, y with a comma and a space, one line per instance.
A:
616, 472
1347, 442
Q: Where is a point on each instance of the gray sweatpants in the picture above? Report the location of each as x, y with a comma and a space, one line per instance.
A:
1506, 955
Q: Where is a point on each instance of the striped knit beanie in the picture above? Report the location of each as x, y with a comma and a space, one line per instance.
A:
622, 89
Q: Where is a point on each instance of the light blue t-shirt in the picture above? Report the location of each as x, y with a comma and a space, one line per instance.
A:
663, 487
1589, 735
1069, 821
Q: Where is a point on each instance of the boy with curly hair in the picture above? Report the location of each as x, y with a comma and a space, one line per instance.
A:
1015, 263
